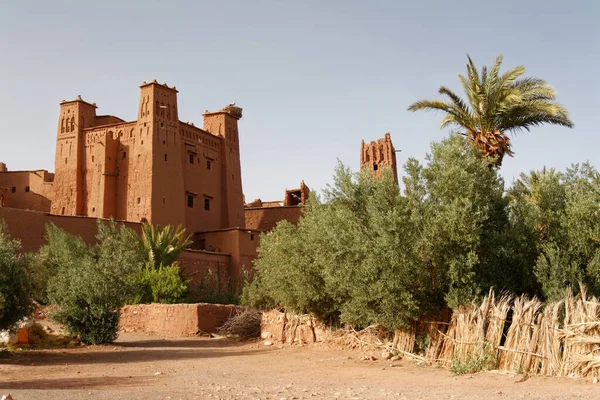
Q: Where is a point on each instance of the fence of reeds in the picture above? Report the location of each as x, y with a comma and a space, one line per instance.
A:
516, 334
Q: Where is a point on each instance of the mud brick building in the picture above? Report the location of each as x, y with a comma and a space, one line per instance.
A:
154, 169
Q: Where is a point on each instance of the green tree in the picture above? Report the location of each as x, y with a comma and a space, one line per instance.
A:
91, 283
15, 284
497, 104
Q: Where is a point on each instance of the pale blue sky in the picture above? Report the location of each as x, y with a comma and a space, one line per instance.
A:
313, 77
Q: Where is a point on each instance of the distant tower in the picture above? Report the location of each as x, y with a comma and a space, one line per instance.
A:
379, 154
224, 123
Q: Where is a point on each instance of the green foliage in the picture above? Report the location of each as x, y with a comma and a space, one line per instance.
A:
476, 363
367, 253
497, 104
163, 245
90, 284
162, 285
558, 214
15, 284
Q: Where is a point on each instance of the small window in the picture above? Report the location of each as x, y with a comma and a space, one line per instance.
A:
208, 164
375, 167
164, 142
63, 211
139, 200
252, 236
164, 200
26, 189
92, 158
142, 142
65, 160
190, 201
207, 204
93, 209
124, 154
162, 124
165, 157
13, 189
191, 158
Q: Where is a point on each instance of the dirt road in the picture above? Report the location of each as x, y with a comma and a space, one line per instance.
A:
143, 367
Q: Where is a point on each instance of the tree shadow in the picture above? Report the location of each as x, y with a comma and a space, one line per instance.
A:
130, 352
76, 383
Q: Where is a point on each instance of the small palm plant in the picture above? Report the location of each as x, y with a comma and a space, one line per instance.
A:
496, 105
163, 245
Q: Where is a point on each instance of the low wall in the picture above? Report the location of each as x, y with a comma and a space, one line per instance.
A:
30, 226
177, 320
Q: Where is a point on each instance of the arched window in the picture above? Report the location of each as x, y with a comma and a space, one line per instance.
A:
62, 125
72, 123
67, 129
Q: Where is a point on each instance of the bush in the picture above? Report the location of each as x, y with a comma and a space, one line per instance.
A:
15, 284
162, 285
92, 283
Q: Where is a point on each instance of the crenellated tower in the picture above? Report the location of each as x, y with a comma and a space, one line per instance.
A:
150, 161
379, 154
74, 117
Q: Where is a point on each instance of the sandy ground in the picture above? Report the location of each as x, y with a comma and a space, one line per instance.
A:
145, 367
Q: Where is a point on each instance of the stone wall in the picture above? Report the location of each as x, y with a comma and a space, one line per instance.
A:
177, 320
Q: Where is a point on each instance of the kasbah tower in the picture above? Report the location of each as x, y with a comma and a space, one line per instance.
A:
147, 170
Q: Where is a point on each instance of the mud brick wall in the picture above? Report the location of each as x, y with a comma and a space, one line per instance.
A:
176, 320
289, 328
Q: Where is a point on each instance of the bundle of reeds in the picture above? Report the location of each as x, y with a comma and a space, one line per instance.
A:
404, 340
521, 337
581, 335
549, 344
495, 329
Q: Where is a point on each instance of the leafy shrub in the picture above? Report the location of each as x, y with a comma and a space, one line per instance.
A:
162, 285
15, 284
92, 283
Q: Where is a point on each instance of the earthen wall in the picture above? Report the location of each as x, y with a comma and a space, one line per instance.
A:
30, 226
266, 218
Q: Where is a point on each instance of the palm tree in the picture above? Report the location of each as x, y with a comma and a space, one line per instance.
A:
163, 246
497, 104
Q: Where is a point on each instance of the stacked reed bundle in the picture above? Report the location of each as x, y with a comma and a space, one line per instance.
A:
465, 338
495, 329
549, 344
404, 340
522, 335
581, 335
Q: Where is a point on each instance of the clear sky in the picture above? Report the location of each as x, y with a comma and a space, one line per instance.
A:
313, 77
